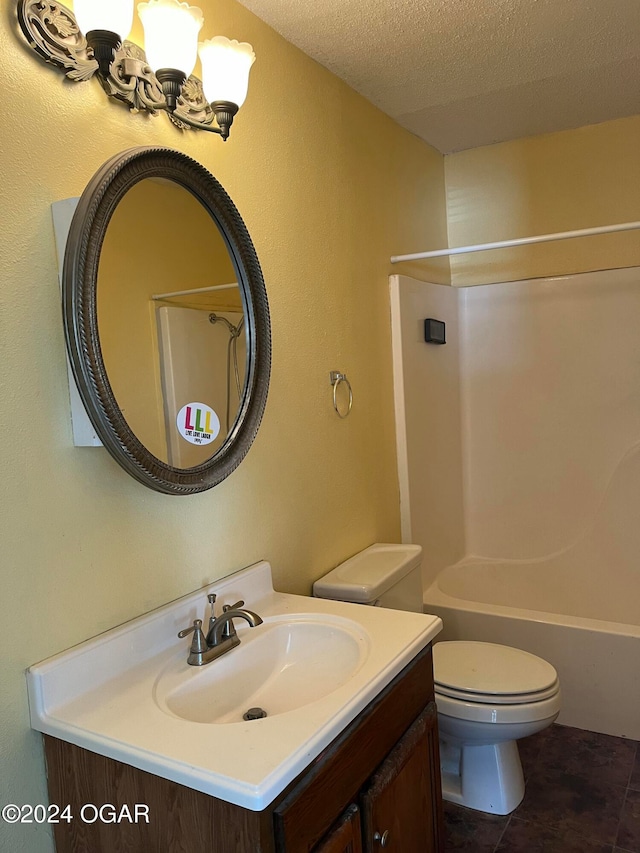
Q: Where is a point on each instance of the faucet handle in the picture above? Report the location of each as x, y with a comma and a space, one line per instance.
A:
211, 598
229, 629
199, 643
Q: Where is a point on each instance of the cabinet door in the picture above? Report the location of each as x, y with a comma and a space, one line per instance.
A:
345, 836
402, 806
303, 816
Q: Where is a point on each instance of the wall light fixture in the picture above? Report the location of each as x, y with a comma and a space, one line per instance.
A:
93, 41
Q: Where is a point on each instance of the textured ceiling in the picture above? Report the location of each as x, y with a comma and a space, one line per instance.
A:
464, 73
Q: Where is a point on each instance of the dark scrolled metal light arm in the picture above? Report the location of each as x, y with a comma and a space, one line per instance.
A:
51, 30
172, 81
224, 112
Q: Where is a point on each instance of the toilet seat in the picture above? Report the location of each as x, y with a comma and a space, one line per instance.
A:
499, 699
496, 714
475, 672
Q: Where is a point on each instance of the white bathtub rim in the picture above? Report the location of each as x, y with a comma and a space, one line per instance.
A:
435, 596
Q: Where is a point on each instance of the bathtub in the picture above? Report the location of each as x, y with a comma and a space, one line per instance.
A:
588, 629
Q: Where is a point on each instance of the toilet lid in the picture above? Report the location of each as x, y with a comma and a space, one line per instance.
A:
487, 672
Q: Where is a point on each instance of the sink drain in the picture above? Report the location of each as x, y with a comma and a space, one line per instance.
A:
254, 714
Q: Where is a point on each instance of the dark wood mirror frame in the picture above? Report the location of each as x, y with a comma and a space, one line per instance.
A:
79, 290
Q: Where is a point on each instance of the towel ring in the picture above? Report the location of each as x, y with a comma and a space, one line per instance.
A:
336, 378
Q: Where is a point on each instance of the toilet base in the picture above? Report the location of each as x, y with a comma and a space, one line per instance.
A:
487, 778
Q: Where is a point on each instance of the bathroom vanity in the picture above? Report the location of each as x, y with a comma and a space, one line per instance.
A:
353, 767
379, 779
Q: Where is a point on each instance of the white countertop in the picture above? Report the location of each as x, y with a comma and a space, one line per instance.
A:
103, 694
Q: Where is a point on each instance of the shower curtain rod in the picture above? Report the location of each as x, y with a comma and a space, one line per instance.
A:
520, 241
195, 290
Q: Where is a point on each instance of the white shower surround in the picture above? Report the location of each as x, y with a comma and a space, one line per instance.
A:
559, 576
578, 608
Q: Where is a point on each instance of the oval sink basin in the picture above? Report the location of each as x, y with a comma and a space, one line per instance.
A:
279, 666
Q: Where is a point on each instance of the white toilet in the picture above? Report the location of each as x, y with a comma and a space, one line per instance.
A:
488, 696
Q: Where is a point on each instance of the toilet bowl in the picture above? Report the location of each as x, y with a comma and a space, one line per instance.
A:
488, 695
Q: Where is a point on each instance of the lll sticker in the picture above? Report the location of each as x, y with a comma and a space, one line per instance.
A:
198, 423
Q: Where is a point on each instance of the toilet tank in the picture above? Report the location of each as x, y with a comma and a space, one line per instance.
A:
382, 575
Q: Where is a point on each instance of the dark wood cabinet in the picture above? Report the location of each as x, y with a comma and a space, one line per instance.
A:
402, 788
345, 836
381, 774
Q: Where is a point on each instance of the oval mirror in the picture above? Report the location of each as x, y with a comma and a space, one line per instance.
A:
166, 320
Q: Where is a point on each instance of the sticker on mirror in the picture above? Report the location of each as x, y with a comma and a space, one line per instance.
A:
197, 423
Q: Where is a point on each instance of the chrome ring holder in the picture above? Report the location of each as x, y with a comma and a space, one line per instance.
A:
336, 378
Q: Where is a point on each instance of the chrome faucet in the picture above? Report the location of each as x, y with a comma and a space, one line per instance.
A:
221, 635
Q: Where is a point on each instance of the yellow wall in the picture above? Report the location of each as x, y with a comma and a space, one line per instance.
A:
329, 188
555, 182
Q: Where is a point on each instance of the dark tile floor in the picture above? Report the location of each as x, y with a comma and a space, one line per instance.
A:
582, 796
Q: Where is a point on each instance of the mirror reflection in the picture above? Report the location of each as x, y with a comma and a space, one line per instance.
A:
171, 322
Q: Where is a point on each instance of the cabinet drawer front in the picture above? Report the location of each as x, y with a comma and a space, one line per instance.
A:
333, 781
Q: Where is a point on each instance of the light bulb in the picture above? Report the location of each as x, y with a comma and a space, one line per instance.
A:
225, 69
115, 16
171, 34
